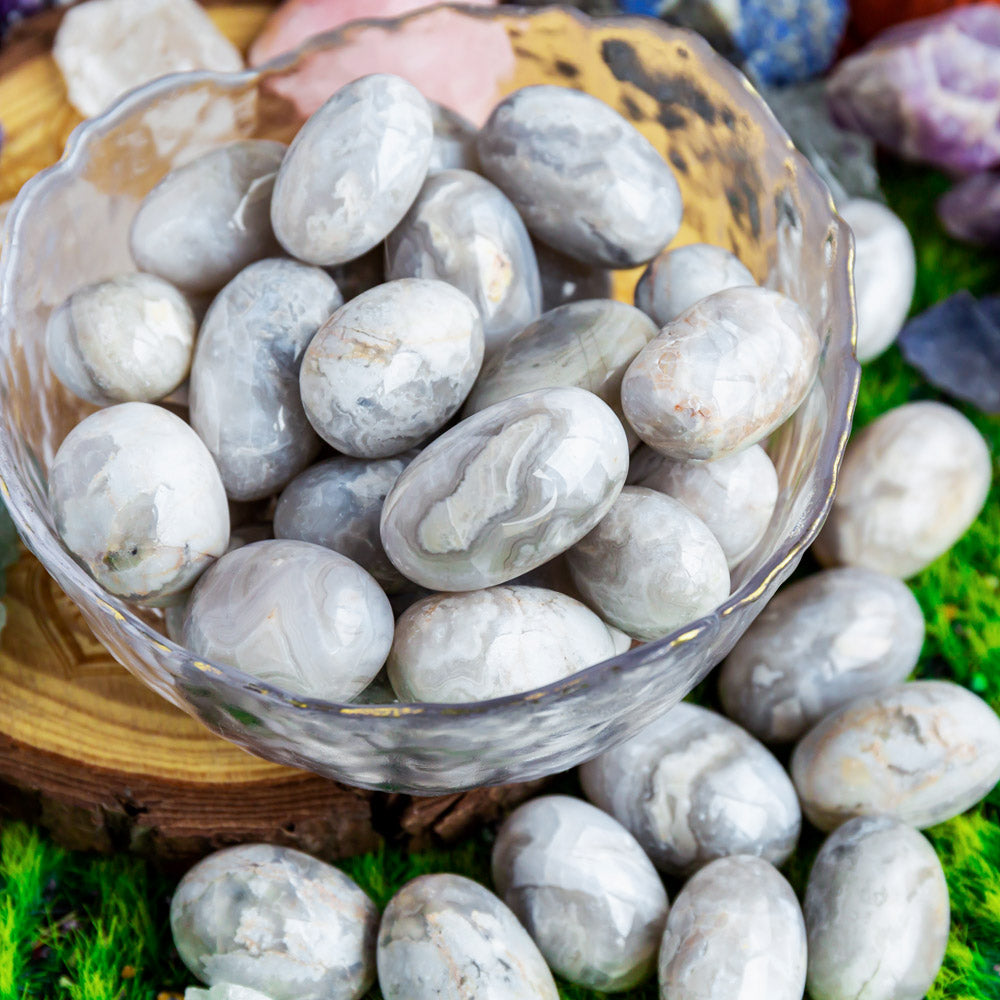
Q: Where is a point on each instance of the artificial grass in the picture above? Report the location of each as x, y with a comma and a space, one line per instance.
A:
80, 927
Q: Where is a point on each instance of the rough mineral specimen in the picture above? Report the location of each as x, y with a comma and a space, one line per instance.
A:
928, 90
970, 211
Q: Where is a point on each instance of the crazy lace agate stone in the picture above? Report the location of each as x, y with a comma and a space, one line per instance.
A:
584, 889
920, 752
567, 280
447, 937
463, 230
650, 566
505, 490
246, 364
338, 503
292, 614
676, 279
224, 991
587, 344
137, 499
490, 643
692, 787
821, 643
392, 366
721, 376
583, 178
911, 483
735, 930
278, 921
885, 273
735, 496
454, 143
207, 220
353, 170
129, 339
876, 912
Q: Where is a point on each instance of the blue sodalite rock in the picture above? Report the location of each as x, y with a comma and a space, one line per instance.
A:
956, 346
778, 41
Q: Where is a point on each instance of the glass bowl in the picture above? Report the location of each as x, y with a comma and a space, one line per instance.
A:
744, 188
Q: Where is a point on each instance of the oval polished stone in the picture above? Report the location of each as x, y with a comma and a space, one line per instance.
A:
650, 566
723, 375
583, 178
921, 752
735, 496
490, 643
391, 366
353, 170
137, 499
224, 991
129, 339
505, 490
676, 279
246, 366
446, 937
819, 644
584, 889
586, 344
877, 913
463, 230
735, 930
207, 220
692, 787
911, 483
275, 920
292, 614
338, 503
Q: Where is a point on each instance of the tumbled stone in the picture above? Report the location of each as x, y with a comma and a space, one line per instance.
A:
207, 220
392, 366
278, 921
584, 890
734, 496
650, 566
107, 47
554, 459
821, 643
970, 211
876, 912
676, 279
293, 614
921, 752
584, 179
566, 280
224, 991
246, 365
137, 499
352, 170
910, 485
447, 937
454, 145
735, 930
679, 393
955, 345
129, 339
692, 787
885, 273
337, 504
463, 230
928, 90
490, 643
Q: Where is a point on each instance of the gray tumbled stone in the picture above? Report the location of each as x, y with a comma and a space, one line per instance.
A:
921, 752
584, 179
244, 392
692, 787
224, 991
463, 230
278, 921
735, 930
819, 644
584, 889
446, 937
877, 913
353, 170
207, 220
